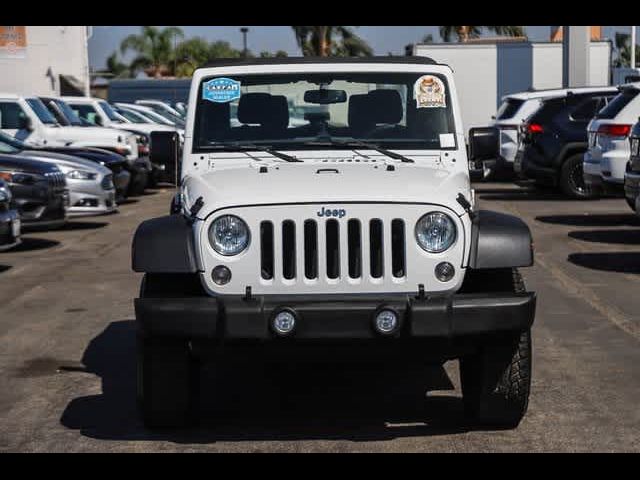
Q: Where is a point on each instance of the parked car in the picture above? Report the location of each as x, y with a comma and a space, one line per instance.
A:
9, 219
39, 191
632, 171
29, 120
113, 161
354, 234
513, 111
555, 139
141, 114
605, 162
164, 109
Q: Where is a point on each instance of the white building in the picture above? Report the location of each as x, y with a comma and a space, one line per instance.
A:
44, 60
485, 71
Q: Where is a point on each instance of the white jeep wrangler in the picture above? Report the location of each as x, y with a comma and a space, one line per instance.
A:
326, 204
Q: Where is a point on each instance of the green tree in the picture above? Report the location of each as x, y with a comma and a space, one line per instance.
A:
326, 41
155, 50
464, 33
267, 54
622, 43
117, 68
191, 54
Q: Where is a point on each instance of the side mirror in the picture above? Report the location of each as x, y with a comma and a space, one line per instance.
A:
26, 123
484, 144
163, 152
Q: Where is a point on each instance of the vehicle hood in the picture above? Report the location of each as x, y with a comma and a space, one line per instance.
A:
94, 154
380, 181
19, 163
68, 135
145, 128
65, 162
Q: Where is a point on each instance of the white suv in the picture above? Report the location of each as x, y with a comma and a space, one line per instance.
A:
606, 159
352, 234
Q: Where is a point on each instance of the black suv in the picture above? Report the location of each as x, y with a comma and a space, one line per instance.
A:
555, 140
632, 174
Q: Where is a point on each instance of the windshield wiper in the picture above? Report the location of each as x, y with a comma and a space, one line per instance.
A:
257, 148
358, 143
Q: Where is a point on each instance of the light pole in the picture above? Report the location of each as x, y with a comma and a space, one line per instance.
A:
632, 62
244, 31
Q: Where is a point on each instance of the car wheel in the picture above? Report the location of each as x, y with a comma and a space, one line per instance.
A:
572, 180
496, 380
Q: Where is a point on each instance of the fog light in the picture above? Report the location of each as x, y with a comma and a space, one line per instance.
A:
221, 275
386, 322
283, 322
445, 271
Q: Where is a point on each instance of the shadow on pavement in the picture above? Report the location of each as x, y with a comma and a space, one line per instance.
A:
521, 194
591, 220
128, 201
256, 402
4, 268
83, 225
29, 243
624, 262
621, 237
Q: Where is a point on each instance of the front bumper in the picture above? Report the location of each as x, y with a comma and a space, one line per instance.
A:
90, 199
337, 317
9, 229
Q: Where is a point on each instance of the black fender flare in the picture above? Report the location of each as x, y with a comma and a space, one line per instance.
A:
567, 150
164, 245
499, 240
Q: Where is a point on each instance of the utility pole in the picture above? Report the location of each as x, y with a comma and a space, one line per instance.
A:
244, 31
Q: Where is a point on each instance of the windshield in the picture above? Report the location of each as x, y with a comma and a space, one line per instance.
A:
176, 120
155, 118
110, 112
68, 113
7, 147
9, 140
619, 102
392, 110
133, 117
41, 111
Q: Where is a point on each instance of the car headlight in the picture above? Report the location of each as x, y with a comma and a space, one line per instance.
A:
5, 195
228, 235
435, 232
81, 175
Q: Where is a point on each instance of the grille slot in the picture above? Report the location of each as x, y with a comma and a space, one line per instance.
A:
376, 252
333, 248
355, 248
266, 250
398, 256
311, 249
289, 249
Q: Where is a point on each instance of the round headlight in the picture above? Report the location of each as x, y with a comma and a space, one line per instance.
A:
229, 235
435, 232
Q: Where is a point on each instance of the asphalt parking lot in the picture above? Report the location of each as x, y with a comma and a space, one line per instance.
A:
67, 364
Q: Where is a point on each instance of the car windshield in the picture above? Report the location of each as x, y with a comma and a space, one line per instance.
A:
508, 108
7, 146
290, 111
133, 117
14, 142
155, 118
110, 112
166, 114
68, 113
41, 111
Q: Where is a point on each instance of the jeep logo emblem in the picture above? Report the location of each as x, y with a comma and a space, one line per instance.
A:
328, 212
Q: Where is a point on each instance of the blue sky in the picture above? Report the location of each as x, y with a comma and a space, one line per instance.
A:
383, 39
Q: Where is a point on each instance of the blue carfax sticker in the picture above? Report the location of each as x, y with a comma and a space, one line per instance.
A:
221, 90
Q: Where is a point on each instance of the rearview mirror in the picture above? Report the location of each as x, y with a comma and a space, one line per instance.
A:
325, 96
163, 152
484, 143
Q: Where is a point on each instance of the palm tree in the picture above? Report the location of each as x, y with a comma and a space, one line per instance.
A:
320, 41
155, 49
464, 33
116, 68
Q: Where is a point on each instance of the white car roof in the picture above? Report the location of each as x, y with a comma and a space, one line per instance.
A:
558, 92
80, 99
10, 95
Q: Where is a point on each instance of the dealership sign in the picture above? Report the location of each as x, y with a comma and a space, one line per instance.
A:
13, 42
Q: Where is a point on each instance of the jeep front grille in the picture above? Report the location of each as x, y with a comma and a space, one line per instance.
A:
333, 249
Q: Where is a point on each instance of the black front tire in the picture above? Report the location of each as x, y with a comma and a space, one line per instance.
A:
572, 180
168, 374
496, 380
